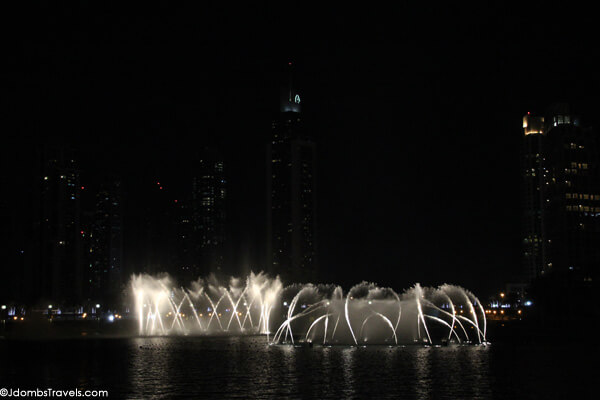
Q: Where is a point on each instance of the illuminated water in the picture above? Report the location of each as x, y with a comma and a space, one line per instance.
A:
366, 314
246, 367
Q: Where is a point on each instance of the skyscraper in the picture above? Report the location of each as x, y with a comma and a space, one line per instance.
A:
209, 194
291, 194
106, 246
565, 173
533, 129
56, 270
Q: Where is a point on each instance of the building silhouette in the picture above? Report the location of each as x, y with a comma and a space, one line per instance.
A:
157, 228
532, 171
291, 194
56, 269
208, 215
561, 173
186, 266
106, 246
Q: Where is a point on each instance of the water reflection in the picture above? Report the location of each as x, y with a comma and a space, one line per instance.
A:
247, 367
348, 368
150, 367
422, 367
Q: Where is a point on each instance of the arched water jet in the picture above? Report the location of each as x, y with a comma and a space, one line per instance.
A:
291, 312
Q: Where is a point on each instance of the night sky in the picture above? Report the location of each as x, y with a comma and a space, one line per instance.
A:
416, 112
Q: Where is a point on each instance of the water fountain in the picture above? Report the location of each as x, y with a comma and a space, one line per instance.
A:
307, 313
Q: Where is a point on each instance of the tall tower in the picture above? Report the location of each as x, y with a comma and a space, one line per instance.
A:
533, 246
561, 196
571, 203
209, 196
291, 194
57, 269
106, 246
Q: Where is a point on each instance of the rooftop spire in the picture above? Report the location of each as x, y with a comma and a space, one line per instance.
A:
290, 73
290, 99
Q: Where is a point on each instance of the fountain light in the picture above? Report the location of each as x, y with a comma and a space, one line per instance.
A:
321, 314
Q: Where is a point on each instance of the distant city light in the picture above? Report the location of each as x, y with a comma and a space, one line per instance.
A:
3, 307
97, 305
111, 318
528, 303
50, 306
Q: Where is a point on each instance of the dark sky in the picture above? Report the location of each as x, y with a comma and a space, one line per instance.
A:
416, 112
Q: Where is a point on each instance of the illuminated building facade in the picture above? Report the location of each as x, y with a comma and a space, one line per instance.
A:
568, 181
291, 195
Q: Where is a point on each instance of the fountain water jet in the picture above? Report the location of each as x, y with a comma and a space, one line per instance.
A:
302, 313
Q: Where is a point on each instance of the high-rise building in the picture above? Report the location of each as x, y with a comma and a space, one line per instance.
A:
562, 197
533, 128
291, 194
106, 246
157, 227
56, 270
208, 214
186, 263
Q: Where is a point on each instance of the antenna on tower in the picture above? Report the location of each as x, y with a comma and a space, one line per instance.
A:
290, 69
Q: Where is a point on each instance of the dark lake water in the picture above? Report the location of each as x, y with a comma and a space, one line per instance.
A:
246, 367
